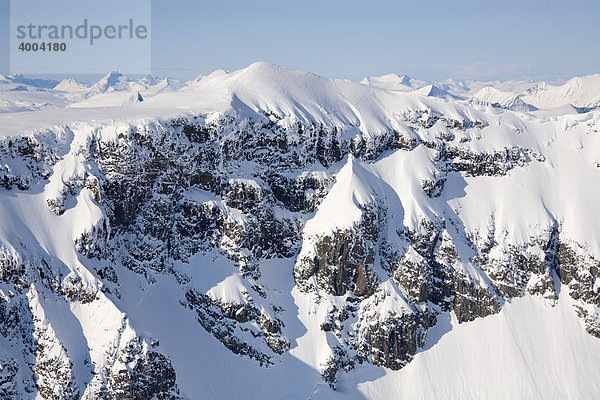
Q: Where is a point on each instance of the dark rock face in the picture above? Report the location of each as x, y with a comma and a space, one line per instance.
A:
486, 164
393, 342
26, 159
300, 194
433, 187
342, 261
228, 321
8, 379
580, 272
343, 265
471, 301
152, 376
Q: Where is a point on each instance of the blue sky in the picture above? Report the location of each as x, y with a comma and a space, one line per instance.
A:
349, 39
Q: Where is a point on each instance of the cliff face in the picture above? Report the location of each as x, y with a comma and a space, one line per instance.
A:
325, 242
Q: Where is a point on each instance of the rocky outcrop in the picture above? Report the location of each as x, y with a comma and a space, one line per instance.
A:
484, 164
26, 159
230, 322
341, 262
390, 337
580, 271
9, 368
140, 373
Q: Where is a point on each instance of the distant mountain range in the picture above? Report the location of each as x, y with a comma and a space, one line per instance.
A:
116, 89
579, 92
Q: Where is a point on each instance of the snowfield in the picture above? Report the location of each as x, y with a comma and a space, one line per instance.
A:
271, 233
529, 350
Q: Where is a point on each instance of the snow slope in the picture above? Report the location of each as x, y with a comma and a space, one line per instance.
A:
478, 361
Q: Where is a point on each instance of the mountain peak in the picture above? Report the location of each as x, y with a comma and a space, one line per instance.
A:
71, 85
432, 90
109, 82
403, 83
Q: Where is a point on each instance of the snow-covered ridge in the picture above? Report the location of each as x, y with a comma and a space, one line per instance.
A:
265, 86
582, 92
501, 99
294, 95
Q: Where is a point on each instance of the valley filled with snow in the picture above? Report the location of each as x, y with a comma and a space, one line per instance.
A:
272, 233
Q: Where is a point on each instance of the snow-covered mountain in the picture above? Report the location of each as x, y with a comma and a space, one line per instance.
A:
271, 233
71, 85
403, 83
458, 88
18, 93
501, 99
583, 93
434, 91
115, 90
114, 82
18, 79
511, 86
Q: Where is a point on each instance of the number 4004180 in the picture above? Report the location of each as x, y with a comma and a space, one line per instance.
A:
50, 46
